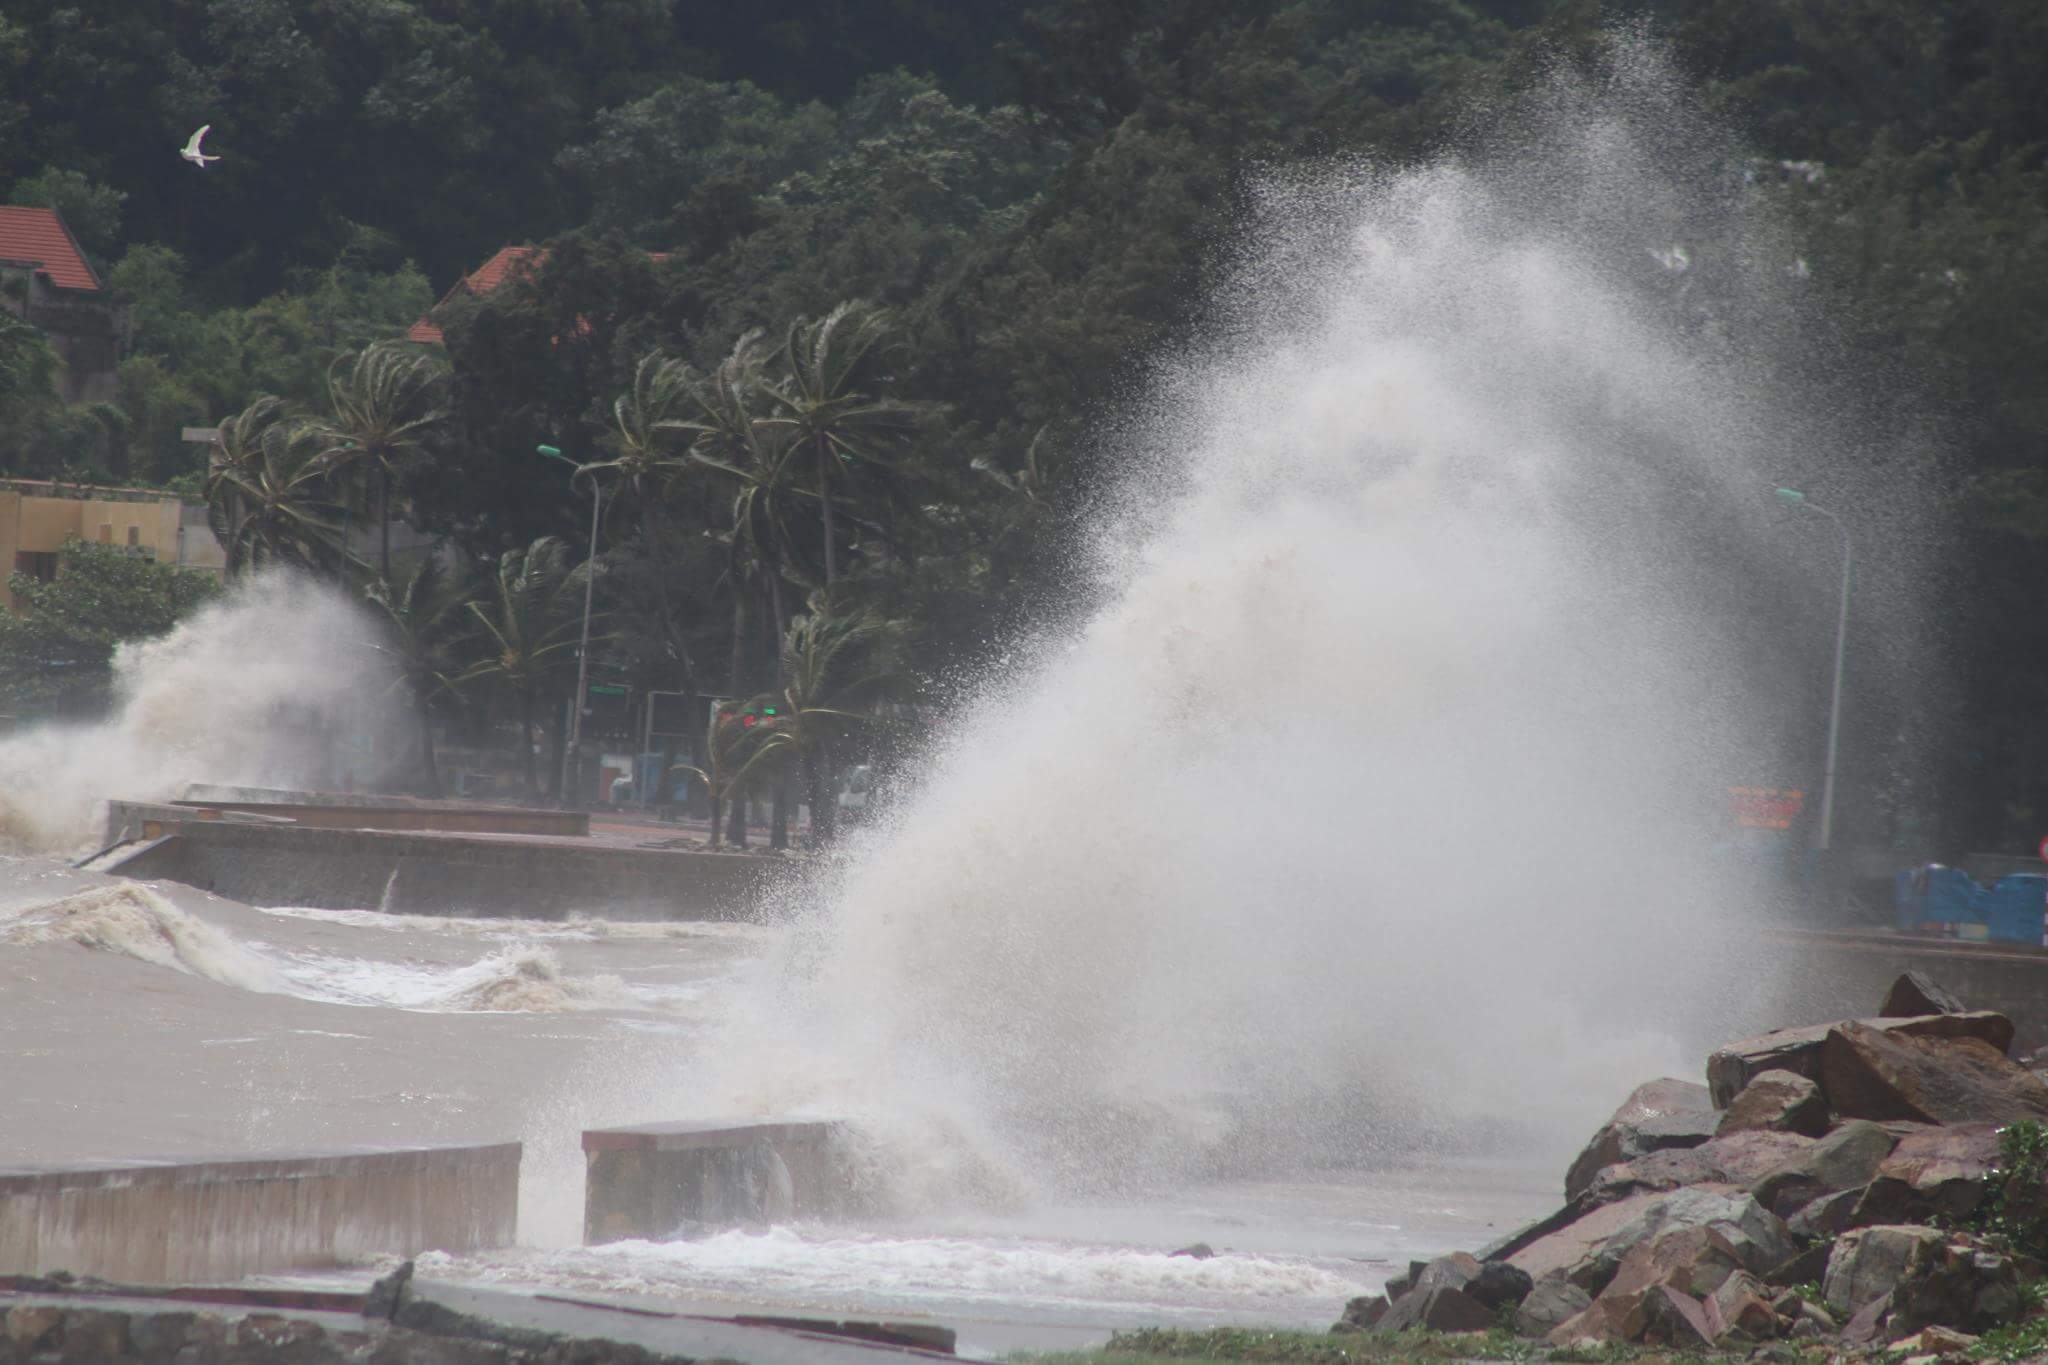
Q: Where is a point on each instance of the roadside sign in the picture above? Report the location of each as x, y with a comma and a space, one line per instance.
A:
1772, 807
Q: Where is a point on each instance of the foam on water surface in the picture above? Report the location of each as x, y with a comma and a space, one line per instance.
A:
820, 1270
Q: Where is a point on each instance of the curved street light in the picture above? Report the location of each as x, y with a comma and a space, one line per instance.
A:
1792, 497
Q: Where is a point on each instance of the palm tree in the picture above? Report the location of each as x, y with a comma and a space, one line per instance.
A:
267, 493
726, 435
848, 436
647, 457
802, 722
386, 400
529, 618
426, 621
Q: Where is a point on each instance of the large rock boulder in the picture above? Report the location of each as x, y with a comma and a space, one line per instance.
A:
1559, 1243
1551, 1301
1846, 1159
1454, 1271
1798, 1050
1899, 1280
1591, 1251
1362, 1313
1963, 1284
1696, 1261
1828, 1217
1742, 1308
1655, 1315
1915, 994
1867, 1264
1779, 1102
1499, 1285
1736, 1159
1935, 1173
1439, 1308
1657, 1115
1872, 1073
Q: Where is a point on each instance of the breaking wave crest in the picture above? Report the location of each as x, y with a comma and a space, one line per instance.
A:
136, 920
518, 979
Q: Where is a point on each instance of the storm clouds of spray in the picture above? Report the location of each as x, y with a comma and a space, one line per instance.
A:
250, 690
1382, 795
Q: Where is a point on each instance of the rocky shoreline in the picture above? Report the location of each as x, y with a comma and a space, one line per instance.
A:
1875, 1185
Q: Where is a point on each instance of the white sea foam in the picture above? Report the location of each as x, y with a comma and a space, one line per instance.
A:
252, 690
525, 978
821, 1268
577, 928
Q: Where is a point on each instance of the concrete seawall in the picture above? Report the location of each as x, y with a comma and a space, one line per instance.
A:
267, 863
656, 1179
1837, 974
185, 1221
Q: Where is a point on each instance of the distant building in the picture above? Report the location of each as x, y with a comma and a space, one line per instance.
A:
38, 518
46, 281
510, 262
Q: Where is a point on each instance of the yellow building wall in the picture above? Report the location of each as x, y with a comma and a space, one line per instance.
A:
41, 525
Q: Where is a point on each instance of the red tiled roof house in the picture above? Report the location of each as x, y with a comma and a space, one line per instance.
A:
509, 263
488, 276
46, 281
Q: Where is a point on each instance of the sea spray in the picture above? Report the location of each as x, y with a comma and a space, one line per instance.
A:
1378, 805
251, 690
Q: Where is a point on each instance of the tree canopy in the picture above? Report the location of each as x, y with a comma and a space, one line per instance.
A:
1038, 200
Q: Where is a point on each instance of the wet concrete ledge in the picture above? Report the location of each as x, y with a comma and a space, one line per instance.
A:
186, 1220
264, 862
323, 812
656, 1180
403, 1321
1836, 973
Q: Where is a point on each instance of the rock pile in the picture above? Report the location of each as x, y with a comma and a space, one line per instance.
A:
1818, 1188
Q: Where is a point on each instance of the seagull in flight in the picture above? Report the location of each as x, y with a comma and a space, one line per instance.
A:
192, 152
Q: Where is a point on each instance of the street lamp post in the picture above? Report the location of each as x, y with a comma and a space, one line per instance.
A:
1792, 497
574, 740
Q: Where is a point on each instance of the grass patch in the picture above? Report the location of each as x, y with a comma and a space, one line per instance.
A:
1160, 1345
1227, 1345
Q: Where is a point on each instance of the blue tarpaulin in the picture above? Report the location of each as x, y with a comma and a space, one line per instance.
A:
1948, 900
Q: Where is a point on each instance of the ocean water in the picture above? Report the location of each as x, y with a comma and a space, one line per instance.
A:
149, 1019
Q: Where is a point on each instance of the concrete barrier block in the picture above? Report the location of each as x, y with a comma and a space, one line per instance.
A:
656, 1180
448, 874
178, 1221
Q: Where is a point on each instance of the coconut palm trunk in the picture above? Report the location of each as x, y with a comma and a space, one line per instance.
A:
430, 771
818, 781
526, 741
383, 522
825, 501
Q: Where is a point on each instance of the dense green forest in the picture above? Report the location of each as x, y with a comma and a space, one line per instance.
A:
1026, 197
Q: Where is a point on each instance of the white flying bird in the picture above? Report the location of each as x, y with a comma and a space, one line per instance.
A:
192, 152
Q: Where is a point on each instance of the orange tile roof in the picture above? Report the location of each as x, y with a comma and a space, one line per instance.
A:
508, 261
40, 235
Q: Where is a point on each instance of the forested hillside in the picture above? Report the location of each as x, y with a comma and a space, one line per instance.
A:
1036, 195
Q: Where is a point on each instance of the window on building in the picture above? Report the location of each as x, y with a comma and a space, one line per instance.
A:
40, 565
106, 533
134, 536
